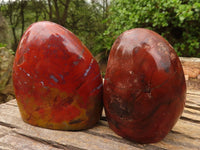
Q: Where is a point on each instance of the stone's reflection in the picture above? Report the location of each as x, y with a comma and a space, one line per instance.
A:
144, 87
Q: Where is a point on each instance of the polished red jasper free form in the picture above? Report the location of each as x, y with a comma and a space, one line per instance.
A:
144, 87
57, 81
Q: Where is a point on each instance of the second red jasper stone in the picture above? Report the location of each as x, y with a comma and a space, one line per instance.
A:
144, 89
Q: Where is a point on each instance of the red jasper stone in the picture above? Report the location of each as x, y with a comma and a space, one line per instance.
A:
57, 81
144, 89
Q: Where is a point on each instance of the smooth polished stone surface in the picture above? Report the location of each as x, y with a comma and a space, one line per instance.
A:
57, 81
144, 87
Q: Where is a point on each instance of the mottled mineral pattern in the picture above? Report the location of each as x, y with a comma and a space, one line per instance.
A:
57, 81
144, 90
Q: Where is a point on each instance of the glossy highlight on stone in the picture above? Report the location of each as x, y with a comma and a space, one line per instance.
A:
144, 87
57, 81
